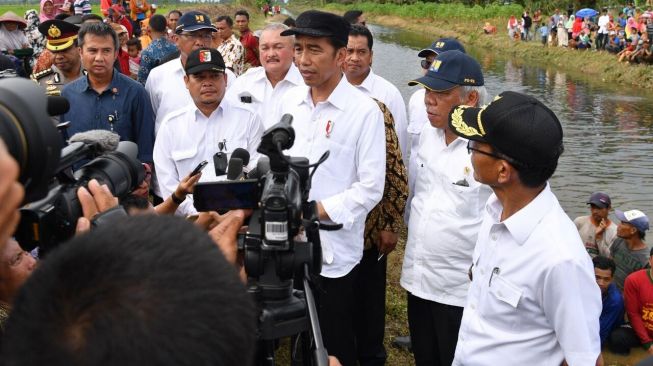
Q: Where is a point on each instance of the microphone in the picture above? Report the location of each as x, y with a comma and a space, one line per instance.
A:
103, 140
57, 106
235, 169
261, 169
241, 154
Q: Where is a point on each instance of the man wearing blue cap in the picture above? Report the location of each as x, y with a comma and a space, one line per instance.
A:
533, 297
445, 212
629, 250
332, 115
417, 117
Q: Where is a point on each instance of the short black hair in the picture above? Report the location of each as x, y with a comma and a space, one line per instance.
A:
178, 12
359, 30
100, 30
290, 22
242, 12
352, 16
227, 19
133, 201
158, 23
135, 42
604, 263
87, 17
146, 290
535, 176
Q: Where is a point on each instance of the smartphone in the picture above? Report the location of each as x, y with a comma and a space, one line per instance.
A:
226, 195
199, 168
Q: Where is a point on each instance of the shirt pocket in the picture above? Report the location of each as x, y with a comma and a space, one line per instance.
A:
501, 303
465, 199
184, 159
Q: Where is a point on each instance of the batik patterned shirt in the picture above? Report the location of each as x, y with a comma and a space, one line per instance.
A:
233, 53
152, 55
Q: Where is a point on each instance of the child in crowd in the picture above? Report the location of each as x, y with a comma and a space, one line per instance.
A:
544, 33
82, 7
134, 50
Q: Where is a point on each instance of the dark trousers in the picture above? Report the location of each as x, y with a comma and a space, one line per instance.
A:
601, 41
433, 331
335, 306
622, 339
369, 312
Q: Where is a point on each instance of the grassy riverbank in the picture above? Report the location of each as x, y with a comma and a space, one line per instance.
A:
466, 24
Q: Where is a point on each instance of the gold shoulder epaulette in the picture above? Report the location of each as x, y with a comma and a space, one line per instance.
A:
41, 74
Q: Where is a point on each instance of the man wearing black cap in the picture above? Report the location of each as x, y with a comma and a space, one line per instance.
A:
196, 132
67, 66
417, 117
165, 83
445, 212
331, 114
533, 298
596, 230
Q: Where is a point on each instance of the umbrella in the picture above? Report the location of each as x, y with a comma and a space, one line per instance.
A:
586, 13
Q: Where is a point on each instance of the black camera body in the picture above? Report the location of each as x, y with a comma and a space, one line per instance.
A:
52, 208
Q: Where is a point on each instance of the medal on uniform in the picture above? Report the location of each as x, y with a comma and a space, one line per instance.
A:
50, 87
329, 128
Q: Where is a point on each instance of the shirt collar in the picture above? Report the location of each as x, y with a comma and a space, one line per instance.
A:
114, 86
199, 115
523, 222
338, 97
368, 83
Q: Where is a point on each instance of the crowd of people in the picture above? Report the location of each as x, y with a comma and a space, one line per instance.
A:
626, 32
494, 269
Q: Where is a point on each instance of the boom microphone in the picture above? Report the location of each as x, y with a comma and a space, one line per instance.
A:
103, 140
57, 106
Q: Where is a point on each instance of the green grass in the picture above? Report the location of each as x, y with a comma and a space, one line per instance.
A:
433, 10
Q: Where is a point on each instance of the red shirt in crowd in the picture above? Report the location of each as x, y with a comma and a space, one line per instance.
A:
638, 295
123, 60
250, 42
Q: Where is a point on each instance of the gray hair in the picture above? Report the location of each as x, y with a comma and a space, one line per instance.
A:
483, 97
100, 30
278, 27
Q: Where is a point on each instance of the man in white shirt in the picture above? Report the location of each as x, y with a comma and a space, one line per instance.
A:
417, 111
533, 298
602, 34
165, 84
262, 88
331, 114
359, 74
196, 132
446, 211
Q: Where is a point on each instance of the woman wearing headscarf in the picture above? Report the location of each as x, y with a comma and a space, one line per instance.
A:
631, 28
47, 10
35, 38
562, 32
569, 25
11, 33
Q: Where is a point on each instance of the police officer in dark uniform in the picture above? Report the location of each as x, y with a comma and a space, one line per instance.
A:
62, 42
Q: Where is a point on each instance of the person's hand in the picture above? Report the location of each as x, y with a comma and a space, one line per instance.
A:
97, 198
387, 241
225, 234
187, 185
333, 361
650, 350
11, 194
207, 220
598, 232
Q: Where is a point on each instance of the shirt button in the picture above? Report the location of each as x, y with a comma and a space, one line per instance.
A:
494, 237
500, 293
472, 306
482, 271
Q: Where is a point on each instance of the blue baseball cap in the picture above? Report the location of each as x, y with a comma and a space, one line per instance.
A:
600, 200
194, 20
634, 217
451, 69
442, 45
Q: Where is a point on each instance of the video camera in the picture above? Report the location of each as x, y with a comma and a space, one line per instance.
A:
274, 256
51, 209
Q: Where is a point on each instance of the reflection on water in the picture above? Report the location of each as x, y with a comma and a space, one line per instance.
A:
608, 130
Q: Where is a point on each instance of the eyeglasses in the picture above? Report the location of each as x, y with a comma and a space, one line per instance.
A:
204, 36
499, 156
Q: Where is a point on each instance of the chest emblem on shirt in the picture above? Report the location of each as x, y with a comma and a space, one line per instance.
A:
329, 128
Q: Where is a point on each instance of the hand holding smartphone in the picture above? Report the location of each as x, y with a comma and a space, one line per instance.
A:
199, 168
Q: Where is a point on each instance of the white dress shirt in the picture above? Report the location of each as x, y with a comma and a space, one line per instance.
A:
417, 118
187, 137
265, 99
350, 182
384, 91
167, 89
446, 213
533, 298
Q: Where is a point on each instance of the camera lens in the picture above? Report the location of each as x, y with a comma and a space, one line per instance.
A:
29, 134
120, 170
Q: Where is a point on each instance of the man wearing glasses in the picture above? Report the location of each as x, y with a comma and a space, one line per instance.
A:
533, 298
446, 212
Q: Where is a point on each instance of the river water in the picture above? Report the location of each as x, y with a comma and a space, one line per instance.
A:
608, 131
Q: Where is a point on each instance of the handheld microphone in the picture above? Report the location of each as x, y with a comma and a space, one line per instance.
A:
235, 169
57, 106
261, 169
241, 154
103, 140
